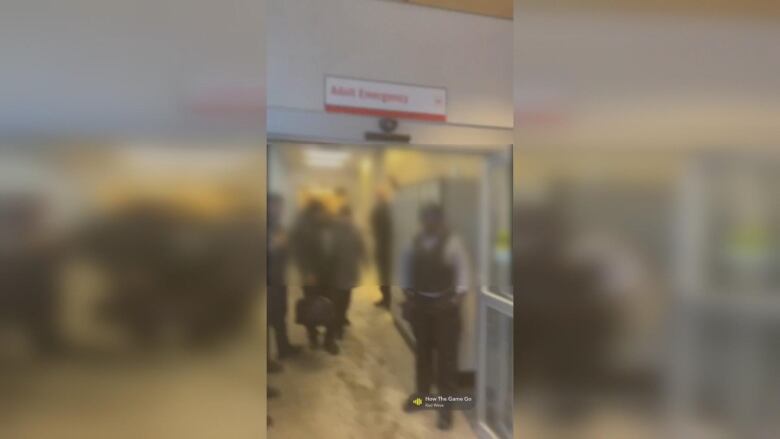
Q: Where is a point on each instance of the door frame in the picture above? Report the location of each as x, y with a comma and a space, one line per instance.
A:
486, 299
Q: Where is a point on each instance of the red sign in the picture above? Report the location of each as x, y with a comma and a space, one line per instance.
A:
384, 99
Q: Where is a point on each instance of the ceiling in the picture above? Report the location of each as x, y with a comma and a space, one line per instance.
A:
494, 8
716, 8
723, 8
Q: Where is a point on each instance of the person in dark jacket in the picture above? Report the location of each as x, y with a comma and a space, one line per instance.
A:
350, 253
314, 252
382, 228
30, 259
277, 277
436, 278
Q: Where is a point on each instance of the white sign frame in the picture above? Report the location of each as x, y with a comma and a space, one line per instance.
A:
385, 99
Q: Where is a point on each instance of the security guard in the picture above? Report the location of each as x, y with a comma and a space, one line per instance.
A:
435, 277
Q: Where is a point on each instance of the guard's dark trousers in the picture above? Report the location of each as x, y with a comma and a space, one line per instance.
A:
436, 326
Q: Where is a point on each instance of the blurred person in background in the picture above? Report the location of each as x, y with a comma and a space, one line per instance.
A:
134, 247
351, 253
236, 255
277, 278
314, 252
173, 269
29, 265
436, 278
382, 228
564, 322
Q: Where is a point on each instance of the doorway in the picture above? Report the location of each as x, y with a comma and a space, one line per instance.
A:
473, 185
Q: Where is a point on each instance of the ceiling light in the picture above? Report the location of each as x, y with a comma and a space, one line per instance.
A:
325, 158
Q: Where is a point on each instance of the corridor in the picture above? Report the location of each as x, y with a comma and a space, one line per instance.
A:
357, 394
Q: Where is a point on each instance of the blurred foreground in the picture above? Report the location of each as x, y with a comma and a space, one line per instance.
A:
130, 288
646, 238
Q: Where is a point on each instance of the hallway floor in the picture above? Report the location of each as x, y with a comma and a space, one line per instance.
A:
119, 392
357, 394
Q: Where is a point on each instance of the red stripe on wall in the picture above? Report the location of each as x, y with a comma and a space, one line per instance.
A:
386, 113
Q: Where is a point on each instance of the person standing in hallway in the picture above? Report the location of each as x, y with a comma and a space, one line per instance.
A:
350, 254
382, 228
314, 251
277, 277
436, 278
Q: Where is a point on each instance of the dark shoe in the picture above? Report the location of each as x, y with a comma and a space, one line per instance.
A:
274, 366
273, 392
445, 420
289, 351
347, 322
331, 347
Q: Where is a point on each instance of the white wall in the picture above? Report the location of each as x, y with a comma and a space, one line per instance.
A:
469, 55
653, 80
91, 67
94, 68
